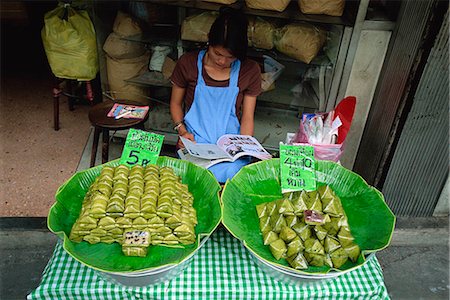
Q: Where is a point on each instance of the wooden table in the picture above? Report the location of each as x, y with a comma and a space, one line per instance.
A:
102, 123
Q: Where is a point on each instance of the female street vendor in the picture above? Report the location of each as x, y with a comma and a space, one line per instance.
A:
214, 90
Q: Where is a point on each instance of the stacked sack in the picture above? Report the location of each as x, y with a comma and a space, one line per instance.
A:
300, 41
125, 59
136, 208
326, 7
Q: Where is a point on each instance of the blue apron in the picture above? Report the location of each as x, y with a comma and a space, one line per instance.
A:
213, 114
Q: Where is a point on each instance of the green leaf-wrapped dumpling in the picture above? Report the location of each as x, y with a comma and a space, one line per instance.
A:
299, 204
345, 237
303, 230
338, 257
269, 237
294, 247
287, 234
332, 227
291, 220
91, 239
277, 222
315, 259
321, 232
353, 251
264, 225
278, 248
261, 210
298, 262
331, 244
313, 245
284, 207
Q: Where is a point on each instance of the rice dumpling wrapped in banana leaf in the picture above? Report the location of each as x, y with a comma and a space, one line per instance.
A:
261, 210
353, 251
264, 225
287, 234
269, 237
308, 228
137, 198
339, 257
298, 261
278, 249
294, 247
331, 244
313, 245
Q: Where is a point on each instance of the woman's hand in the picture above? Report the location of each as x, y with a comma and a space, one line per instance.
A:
186, 135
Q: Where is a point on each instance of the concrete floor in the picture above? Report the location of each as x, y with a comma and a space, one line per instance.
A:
36, 159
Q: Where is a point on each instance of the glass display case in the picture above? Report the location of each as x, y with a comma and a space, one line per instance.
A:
300, 88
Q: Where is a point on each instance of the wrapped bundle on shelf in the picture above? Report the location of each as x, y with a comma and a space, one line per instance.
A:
326, 7
116, 46
300, 41
119, 48
124, 25
276, 5
196, 27
260, 33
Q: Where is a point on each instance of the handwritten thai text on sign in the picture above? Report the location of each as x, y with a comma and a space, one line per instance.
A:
141, 148
298, 168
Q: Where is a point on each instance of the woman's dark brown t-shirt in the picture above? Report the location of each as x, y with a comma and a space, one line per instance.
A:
185, 75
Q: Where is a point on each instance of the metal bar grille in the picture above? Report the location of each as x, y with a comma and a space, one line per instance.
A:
420, 164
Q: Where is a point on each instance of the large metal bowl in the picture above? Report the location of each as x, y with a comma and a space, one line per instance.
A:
370, 219
287, 275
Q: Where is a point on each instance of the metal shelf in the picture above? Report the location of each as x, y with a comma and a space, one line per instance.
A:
150, 79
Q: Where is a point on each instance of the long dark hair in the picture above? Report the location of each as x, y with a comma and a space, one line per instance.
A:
229, 30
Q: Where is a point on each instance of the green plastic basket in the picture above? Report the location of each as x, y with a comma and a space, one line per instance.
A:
370, 219
109, 257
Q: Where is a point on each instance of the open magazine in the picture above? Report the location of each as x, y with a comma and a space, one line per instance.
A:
229, 147
128, 111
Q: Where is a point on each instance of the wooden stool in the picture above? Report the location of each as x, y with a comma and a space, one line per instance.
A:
74, 90
103, 123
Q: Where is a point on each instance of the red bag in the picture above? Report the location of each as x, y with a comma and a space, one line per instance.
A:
344, 110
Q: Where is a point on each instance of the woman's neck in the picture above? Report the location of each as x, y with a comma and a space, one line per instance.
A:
215, 72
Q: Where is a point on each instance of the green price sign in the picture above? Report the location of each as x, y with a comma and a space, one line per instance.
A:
298, 168
141, 148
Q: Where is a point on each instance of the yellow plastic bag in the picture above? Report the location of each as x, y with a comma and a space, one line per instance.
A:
70, 43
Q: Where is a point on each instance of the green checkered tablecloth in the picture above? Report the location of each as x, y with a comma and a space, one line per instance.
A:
222, 269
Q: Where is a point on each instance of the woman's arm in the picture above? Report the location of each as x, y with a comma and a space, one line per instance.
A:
177, 113
248, 115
